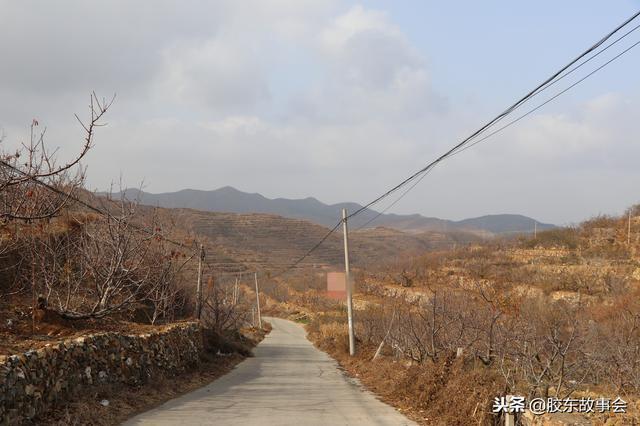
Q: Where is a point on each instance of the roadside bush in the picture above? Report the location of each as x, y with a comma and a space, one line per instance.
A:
225, 343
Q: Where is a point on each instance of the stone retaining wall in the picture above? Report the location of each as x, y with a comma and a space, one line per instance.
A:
37, 380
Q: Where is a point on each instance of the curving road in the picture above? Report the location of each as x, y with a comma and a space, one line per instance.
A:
288, 382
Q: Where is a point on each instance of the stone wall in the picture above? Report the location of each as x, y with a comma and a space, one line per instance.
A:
37, 380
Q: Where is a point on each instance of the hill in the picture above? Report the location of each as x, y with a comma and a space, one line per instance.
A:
231, 200
264, 241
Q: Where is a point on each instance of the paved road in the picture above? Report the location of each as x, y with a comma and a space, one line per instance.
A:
288, 382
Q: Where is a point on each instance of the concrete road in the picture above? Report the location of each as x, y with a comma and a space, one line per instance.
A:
288, 382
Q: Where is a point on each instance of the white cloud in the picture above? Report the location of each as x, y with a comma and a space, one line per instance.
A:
214, 73
353, 23
80, 45
371, 73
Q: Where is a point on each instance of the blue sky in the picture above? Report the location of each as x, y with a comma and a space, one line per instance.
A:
334, 99
505, 47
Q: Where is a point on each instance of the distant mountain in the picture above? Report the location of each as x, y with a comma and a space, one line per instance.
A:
231, 200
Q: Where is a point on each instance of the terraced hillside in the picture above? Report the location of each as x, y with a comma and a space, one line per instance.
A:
592, 262
269, 241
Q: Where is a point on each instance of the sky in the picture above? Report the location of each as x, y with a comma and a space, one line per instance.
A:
337, 100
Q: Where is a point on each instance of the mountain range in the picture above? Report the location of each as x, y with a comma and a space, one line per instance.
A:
231, 200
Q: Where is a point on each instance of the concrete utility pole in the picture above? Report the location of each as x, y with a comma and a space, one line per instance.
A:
255, 275
235, 292
535, 230
347, 277
199, 286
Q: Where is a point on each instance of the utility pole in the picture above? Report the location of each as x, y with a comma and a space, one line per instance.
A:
347, 277
199, 286
535, 230
255, 275
235, 292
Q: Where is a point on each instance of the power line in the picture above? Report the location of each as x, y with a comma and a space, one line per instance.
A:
595, 55
568, 73
531, 111
381, 212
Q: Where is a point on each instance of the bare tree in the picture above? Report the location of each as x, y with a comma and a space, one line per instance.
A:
60, 269
164, 293
221, 310
102, 265
549, 350
493, 302
33, 186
